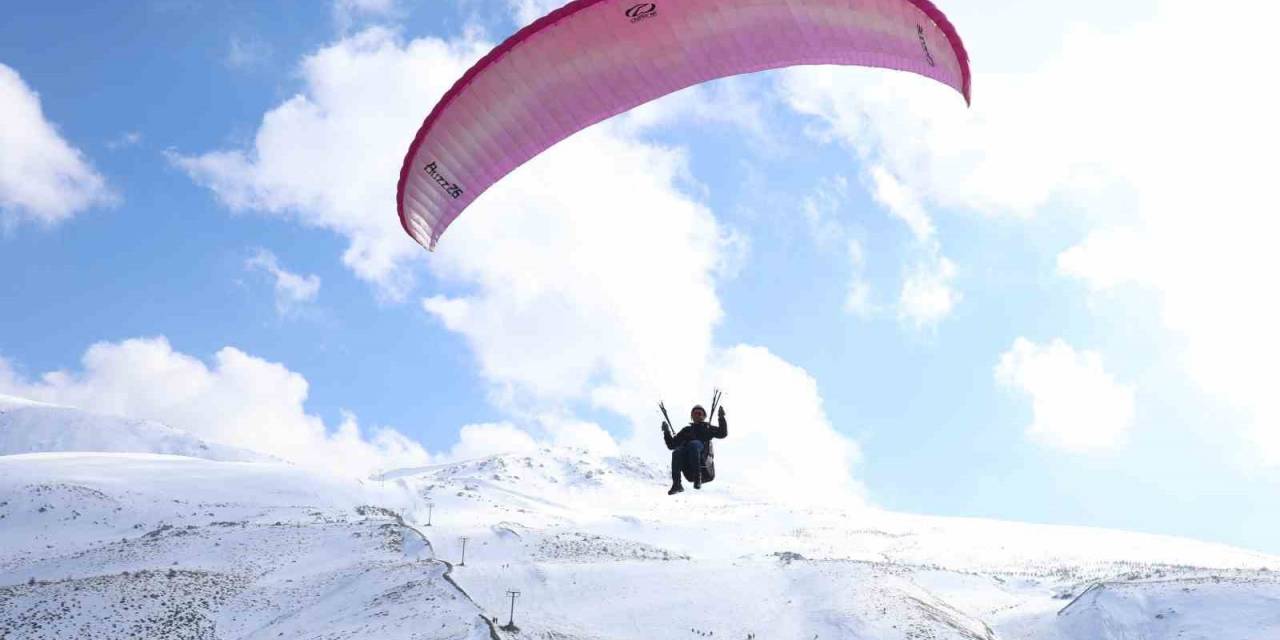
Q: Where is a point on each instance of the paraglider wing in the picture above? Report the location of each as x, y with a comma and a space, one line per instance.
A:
592, 59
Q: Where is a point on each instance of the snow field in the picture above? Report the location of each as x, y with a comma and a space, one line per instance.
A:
129, 544
249, 550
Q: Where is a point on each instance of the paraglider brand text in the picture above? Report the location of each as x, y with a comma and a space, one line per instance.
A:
924, 44
450, 188
641, 11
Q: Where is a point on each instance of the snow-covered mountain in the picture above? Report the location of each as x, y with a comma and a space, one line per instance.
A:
112, 545
27, 426
105, 545
598, 550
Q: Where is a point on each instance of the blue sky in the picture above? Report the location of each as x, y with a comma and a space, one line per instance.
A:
1048, 332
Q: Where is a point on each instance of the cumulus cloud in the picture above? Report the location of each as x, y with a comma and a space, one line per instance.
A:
1076, 405
1213, 281
330, 156
1112, 257
999, 158
1176, 177
292, 291
480, 440
570, 432
585, 278
572, 301
781, 435
43, 179
927, 295
575, 286
237, 399
1200, 230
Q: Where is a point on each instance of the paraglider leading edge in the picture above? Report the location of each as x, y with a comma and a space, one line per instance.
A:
548, 20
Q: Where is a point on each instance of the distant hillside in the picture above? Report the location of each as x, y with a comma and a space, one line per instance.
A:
157, 547
101, 546
27, 426
601, 549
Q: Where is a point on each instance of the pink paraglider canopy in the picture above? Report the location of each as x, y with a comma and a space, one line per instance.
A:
592, 59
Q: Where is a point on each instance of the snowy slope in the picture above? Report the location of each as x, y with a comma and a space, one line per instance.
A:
152, 546
32, 427
598, 550
157, 546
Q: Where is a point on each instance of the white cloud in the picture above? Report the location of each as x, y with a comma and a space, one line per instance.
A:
1214, 279
330, 156
481, 440
1005, 156
125, 140
346, 13
575, 301
1095, 111
577, 287
292, 291
589, 275
238, 399
733, 101
822, 209
780, 438
245, 52
858, 298
779, 435
569, 432
928, 295
380, 7
902, 204
579, 293
43, 179
1077, 406
1200, 229
526, 11
1111, 257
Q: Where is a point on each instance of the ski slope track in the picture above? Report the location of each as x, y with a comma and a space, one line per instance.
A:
139, 544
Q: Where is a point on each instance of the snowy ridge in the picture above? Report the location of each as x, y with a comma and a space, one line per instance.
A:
151, 546
157, 546
14, 402
599, 551
33, 427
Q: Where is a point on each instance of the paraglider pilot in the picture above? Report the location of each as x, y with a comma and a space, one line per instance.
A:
691, 452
